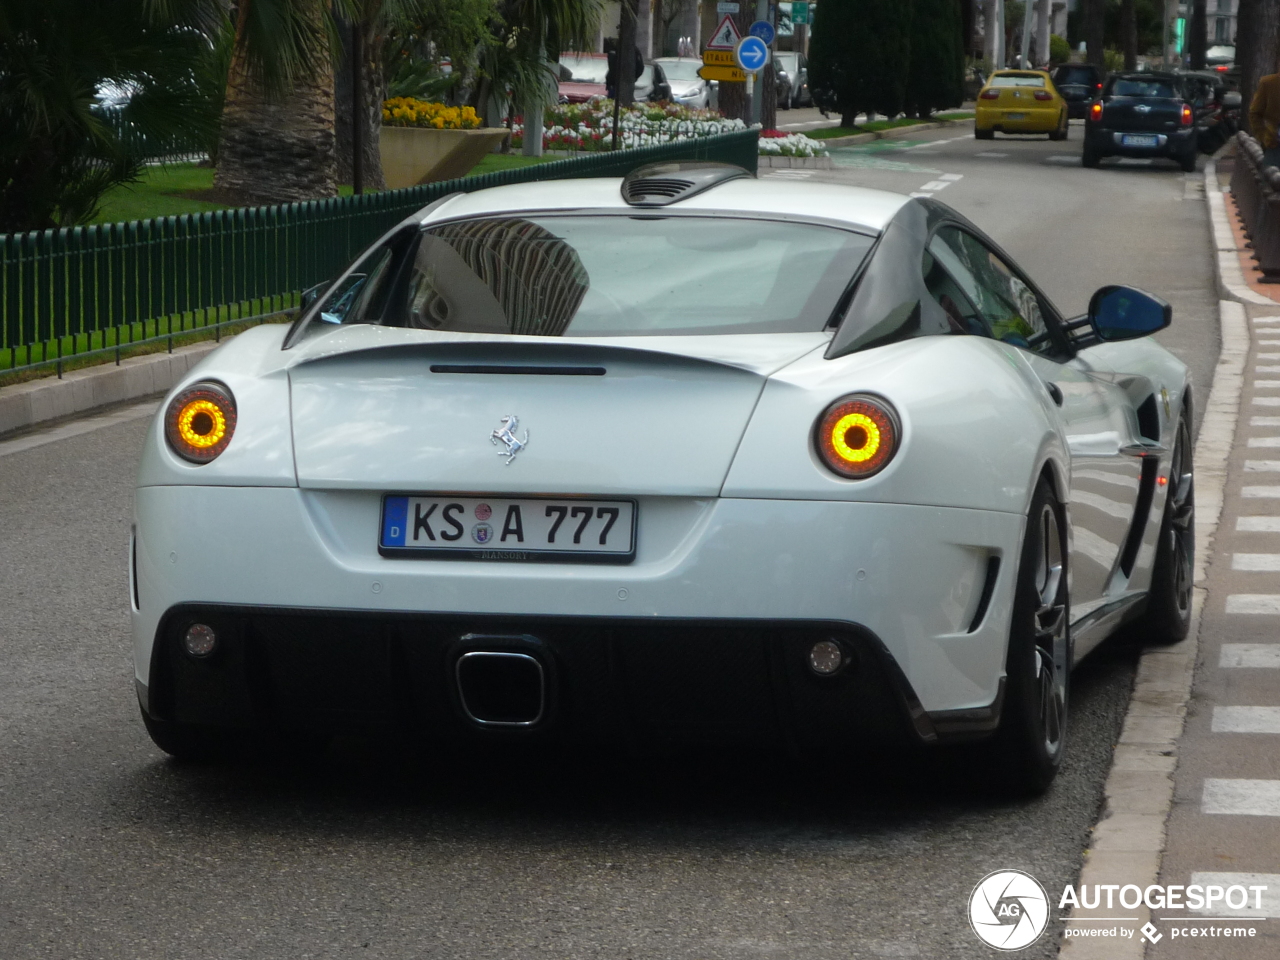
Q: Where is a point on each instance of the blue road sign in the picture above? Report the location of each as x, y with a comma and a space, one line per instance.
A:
762, 29
752, 54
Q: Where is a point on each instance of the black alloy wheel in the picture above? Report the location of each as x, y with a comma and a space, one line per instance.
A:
1031, 740
1168, 615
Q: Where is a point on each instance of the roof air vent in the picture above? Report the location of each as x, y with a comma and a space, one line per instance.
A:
659, 184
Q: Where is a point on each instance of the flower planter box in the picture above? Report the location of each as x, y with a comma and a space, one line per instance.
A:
413, 155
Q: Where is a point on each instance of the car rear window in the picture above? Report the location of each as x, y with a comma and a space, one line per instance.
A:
1017, 80
583, 69
1074, 75
595, 276
1128, 87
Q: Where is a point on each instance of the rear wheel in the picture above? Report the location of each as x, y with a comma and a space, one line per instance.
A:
1064, 128
984, 134
1168, 615
1031, 740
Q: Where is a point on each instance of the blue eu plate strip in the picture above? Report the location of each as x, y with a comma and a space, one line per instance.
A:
395, 513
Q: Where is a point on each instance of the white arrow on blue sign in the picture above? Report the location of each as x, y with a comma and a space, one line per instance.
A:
752, 54
762, 29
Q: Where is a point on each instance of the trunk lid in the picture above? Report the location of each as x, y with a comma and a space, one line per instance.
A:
1156, 114
600, 417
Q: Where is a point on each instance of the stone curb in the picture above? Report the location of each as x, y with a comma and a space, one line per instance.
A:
1128, 842
38, 402
897, 133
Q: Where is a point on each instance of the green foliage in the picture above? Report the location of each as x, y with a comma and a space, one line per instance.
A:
1059, 49
859, 57
60, 152
1113, 59
936, 77
1146, 15
431, 31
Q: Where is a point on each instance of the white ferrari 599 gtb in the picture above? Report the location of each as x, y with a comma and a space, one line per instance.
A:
684, 457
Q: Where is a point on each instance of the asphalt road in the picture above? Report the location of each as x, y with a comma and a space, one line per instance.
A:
107, 850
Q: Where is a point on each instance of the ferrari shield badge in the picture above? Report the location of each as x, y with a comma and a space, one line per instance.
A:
506, 435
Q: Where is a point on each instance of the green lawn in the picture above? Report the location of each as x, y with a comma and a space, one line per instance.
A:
159, 193
826, 133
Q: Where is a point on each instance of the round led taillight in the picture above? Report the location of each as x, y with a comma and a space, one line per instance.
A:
200, 421
857, 436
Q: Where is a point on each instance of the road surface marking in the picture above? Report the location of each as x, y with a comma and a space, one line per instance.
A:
1266, 343
1264, 442
1269, 356
1245, 720
1253, 603
1256, 562
1264, 421
998, 156
76, 428
953, 177
919, 194
1249, 798
1258, 524
1266, 401
935, 185
1260, 493
1266, 384
1073, 159
1264, 656
1262, 466
1260, 903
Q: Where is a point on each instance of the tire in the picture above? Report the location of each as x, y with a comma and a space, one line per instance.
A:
1168, 615
1064, 129
1028, 747
182, 741
1090, 157
984, 134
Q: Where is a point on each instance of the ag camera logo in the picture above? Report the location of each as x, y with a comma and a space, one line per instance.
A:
1008, 910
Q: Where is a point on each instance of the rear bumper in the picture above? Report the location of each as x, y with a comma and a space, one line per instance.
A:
1109, 142
932, 585
647, 682
1034, 120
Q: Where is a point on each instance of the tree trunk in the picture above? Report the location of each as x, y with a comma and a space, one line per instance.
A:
1042, 31
1196, 38
374, 94
277, 151
990, 31
1095, 29
1256, 43
627, 38
1129, 34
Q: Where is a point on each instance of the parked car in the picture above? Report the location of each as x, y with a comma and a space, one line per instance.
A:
530, 471
1221, 60
582, 76
791, 77
1078, 84
1146, 114
686, 86
1020, 101
1221, 117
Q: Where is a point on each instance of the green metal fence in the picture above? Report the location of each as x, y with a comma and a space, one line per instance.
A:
86, 290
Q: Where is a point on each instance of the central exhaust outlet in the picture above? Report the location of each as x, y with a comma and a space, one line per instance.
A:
502, 688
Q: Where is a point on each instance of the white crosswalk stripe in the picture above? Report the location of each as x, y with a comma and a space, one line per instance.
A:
1256, 562
1260, 493
1259, 903
1266, 384
1269, 356
1250, 656
1250, 798
1262, 466
1266, 368
1266, 401
1254, 603
1258, 524
1264, 421
1246, 720
1264, 441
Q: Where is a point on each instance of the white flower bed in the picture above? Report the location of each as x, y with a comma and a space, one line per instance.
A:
792, 145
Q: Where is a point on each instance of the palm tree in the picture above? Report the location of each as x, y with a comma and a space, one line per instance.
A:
277, 138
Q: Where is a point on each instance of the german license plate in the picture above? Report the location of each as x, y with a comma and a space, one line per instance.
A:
1139, 140
503, 528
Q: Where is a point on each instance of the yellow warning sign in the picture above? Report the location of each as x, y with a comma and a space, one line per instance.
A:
716, 72
722, 58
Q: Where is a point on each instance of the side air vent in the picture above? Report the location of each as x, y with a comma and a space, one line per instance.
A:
659, 184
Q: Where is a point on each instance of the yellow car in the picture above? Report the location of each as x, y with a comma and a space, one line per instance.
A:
1020, 101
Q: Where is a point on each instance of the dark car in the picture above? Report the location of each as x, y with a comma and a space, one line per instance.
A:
1219, 105
791, 77
1079, 84
1146, 115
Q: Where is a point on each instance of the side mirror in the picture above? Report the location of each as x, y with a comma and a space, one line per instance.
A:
312, 294
1123, 313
